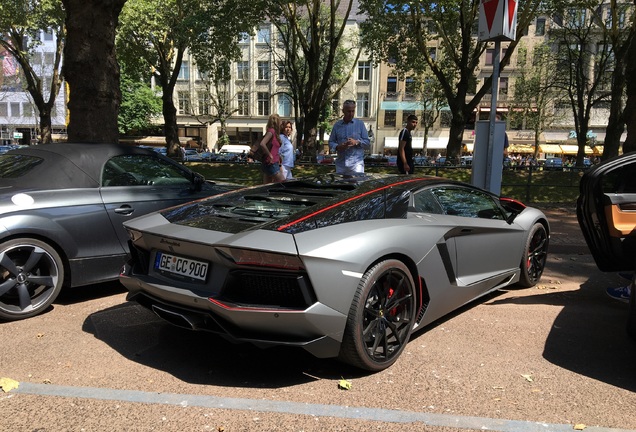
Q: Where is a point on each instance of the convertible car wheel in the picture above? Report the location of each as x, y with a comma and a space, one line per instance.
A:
31, 276
381, 317
534, 256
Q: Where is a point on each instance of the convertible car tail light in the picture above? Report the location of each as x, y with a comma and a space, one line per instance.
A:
247, 257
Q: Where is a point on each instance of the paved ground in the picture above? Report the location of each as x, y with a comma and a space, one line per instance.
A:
548, 358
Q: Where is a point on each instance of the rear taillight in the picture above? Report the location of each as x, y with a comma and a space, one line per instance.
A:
247, 257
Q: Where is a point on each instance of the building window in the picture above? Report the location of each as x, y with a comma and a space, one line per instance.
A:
335, 106
445, 118
391, 84
244, 37
48, 35
405, 115
27, 109
432, 52
409, 87
364, 70
15, 109
243, 70
389, 118
280, 67
263, 36
4, 109
503, 85
243, 99
184, 72
49, 59
284, 105
539, 30
204, 103
362, 105
490, 54
184, 102
263, 103
263, 70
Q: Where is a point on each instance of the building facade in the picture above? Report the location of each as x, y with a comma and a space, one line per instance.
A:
19, 119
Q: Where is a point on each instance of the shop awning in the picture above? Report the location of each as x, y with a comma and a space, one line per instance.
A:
550, 148
574, 149
520, 148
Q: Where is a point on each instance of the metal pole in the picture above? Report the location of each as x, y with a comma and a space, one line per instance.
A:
493, 115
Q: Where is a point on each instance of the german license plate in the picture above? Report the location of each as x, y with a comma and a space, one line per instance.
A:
181, 266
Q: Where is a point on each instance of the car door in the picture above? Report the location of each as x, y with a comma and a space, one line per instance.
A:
606, 212
486, 245
136, 184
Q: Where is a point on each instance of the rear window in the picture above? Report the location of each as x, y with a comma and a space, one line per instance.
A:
17, 165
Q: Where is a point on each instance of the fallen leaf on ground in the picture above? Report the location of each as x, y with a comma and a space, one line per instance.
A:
528, 377
579, 426
344, 384
7, 384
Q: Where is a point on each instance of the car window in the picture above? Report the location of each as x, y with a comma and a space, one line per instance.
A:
467, 203
620, 180
425, 202
17, 165
142, 170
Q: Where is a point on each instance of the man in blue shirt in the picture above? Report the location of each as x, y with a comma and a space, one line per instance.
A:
349, 139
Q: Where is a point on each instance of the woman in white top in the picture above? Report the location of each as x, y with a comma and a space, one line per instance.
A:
286, 151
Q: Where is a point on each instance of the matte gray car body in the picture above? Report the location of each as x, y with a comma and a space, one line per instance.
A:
336, 252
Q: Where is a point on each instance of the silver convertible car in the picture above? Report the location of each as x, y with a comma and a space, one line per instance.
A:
341, 267
61, 212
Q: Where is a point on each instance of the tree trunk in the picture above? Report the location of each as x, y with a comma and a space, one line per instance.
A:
91, 70
615, 124
46, 127
170, 121
630, 107
456, 134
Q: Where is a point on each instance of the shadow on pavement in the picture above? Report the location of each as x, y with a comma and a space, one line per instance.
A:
205, 358
588, 337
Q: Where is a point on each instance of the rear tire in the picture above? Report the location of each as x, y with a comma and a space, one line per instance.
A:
534, 256
31, 277
381, 317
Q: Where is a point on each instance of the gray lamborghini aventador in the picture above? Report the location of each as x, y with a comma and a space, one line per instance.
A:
342, 267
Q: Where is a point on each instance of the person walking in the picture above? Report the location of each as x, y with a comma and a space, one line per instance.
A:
270, 146
405, 162
349, 139
286, 149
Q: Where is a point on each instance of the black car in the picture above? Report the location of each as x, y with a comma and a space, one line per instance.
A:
61, 213
606, 211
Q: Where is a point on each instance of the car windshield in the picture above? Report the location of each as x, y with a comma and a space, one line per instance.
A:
17, 165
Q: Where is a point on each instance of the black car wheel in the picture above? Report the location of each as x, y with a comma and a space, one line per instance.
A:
31, 276
534, 256
381, 317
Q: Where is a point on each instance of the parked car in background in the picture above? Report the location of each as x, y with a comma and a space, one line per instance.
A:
466, 160
191, 155
375, 160
341, 267
553, 163
422, 160
61, 212
606, 212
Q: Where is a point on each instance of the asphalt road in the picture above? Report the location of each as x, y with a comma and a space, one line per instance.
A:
554, 357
